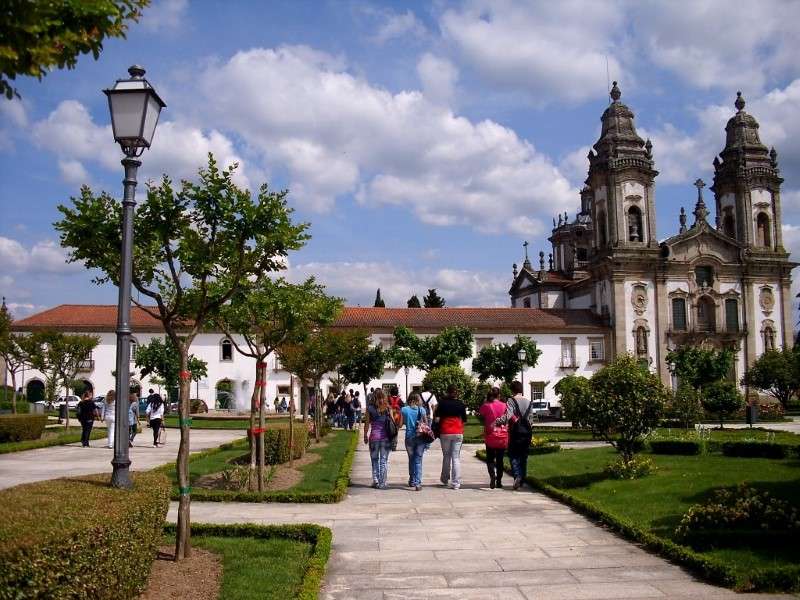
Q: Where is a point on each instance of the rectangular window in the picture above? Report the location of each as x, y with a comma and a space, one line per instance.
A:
731, 315
597, 349
679, 314
568, 353
537, 390
283, 390
278, 365
481, 343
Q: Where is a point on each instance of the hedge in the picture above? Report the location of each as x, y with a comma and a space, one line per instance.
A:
16, 428
683, 447
762, 580
276, 444
319, 537
80, 538
750, 449
336, 495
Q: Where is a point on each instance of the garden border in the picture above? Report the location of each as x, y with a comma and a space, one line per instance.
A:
784, 579
9, 447
318, 536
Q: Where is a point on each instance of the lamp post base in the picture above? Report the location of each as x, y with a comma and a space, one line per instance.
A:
121, 477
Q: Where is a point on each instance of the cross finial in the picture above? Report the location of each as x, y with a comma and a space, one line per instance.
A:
525, 245
700, 211
699, 184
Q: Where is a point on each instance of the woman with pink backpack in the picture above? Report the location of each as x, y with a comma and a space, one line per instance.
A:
494, 436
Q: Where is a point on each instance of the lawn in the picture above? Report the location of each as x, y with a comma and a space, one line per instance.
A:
473, 433
211, 423
657, 502
50, 437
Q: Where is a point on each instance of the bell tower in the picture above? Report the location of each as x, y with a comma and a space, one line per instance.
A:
747, 185
622, 181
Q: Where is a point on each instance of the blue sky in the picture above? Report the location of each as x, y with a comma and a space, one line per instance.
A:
423, 141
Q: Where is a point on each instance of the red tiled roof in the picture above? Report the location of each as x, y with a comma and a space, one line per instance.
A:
82, 317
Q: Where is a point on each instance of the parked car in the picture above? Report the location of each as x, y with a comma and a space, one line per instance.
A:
72, 401
547, 409
100, 403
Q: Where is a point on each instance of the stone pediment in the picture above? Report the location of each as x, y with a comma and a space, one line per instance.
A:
702, 241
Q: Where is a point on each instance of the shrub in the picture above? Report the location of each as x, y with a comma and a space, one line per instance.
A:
633, 468
722, 399
540, 445
684, 406
15, 428
740, 509
439, 378
276, 444
197, 406
753, 449
767, 411
682, 447
80, 538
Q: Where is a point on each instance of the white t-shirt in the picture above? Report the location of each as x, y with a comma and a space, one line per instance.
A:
429, 400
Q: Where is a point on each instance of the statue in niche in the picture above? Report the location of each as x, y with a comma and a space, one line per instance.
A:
641, 341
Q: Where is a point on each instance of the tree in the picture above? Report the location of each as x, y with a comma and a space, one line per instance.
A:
11, 353
698, 366
622, 402
58, 356
433, 300
439, 379
160, 358
196, 247
320, 352
37, 35
379, 303
722, 397
500, 361
776, 372
685, 406
365, 366
400, 357
450, 347
414, 302
266, 315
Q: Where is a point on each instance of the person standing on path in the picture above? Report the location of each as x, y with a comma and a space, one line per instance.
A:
495, 437
428, 400
155, 412
396, 403
109, 415
412, 414
133, 418
376, 434
451, 415
521, 417
87, 413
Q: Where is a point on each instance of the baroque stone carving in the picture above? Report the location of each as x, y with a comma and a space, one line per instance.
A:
639, 298
767, 300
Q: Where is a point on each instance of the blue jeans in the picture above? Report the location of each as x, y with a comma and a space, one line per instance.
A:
519, 464
415, 449
379, 454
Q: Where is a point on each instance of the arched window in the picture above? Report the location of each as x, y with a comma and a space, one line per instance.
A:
729, 225
602, 239
134, 347
226, 350
679, 314
763, 231
706, 320
635, 232
769, 338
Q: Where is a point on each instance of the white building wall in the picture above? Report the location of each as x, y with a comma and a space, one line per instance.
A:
649, 315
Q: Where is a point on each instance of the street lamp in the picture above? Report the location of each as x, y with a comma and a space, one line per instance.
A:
134, 107
522, 355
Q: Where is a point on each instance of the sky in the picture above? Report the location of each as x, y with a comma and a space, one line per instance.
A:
423, 142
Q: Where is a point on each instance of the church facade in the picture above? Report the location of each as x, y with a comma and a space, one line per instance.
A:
724, 285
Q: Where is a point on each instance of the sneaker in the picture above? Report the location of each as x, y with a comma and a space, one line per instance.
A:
410, 484
443, 480
491, 483
517, 483
499, 485
454, 486
383, 486
418, 487
375, 484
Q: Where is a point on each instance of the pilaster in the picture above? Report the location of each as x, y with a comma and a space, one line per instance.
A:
749, 310
786, 315
662, 324
620, 333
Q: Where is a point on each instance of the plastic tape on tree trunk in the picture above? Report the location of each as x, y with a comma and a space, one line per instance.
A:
187, 422
185, 491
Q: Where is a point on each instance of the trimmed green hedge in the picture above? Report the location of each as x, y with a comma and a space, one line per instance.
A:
276, 444
62, 438
336, 495
16, 428
749, 449
80, 538
682, 447
319, 537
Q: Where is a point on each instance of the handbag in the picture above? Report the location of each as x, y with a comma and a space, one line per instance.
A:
424, 431
391, 427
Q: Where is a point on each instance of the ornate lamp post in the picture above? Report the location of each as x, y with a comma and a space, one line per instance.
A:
522, 355
134, 107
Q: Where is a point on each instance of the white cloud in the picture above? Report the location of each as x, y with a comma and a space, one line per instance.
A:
398, 25
43, 257
338, 134
73, 172
358, 281
575, 165
20, 310
438, 77
164, 15
14, 111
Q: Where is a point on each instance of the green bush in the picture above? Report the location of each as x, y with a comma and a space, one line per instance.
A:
683, 447
753, 449
80, 538
541, 445
684, 406
721, 398
767, 411
16, 428
276, 444
439, 378
197, 406
633, 468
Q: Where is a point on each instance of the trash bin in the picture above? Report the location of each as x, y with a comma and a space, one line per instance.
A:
63, 412
751, 414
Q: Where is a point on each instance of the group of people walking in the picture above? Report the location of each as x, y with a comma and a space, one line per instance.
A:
507, 427
88, 412
344, 410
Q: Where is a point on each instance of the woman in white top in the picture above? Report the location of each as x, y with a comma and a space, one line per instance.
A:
155, 412
109, 416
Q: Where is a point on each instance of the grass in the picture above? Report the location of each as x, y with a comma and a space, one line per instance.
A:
211, 423
319, 478
267, 562
657, 502
50, 437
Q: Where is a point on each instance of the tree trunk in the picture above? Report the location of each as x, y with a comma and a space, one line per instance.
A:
66, 402
261, 424
251, 437
317, 411
183, 547
303, 399
14, 392
291, 421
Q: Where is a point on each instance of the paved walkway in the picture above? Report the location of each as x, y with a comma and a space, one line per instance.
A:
72, 459
468, 544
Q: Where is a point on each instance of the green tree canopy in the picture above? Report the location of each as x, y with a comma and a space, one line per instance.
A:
433, 299
37, 35
450, 347
365, 366
776, 372
698, 366
437, 380
500, 361
722, 398
160, 358
11, 353
414, 302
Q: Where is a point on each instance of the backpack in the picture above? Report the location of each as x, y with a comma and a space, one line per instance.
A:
521, 432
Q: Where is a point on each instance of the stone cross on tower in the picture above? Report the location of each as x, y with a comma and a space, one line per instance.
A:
700, 210
527, 263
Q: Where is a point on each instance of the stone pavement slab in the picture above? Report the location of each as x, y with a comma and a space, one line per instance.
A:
72, 459
469, 544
